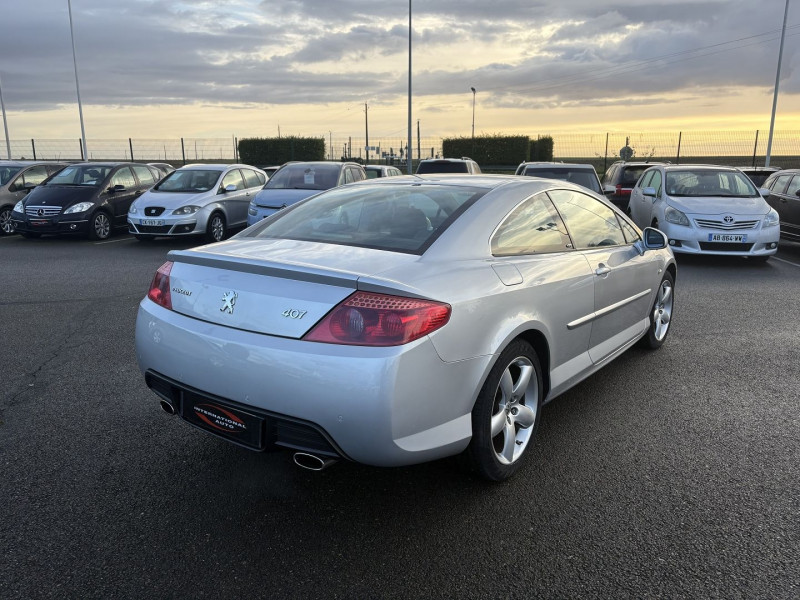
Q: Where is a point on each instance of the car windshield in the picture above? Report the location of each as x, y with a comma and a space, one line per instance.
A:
399, 218
89, 175
441, 166
6, 173
706, 182
305, 177
580, 177
189, 181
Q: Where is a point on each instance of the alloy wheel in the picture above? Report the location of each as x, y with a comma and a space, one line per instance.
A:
102, 226
514, 413
662, 311
6, 226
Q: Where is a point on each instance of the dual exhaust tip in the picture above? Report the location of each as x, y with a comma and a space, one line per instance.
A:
312, 462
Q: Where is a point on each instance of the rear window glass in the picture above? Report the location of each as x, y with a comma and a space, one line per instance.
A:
399, 218
305, 177
630, 175
582, 177
441, 166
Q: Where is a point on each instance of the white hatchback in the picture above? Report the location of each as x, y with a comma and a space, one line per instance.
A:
196, 199
706, 209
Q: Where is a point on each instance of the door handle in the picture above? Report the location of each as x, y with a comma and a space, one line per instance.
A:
602, 270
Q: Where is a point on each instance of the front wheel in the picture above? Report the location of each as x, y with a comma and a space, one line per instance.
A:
506, 413
6, 224
99, 226
661, 315
216, 229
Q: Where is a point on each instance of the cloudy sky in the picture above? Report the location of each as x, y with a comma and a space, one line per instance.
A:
193, 68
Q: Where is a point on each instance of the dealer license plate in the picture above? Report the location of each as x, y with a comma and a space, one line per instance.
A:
727, 237
223, 420
153, 222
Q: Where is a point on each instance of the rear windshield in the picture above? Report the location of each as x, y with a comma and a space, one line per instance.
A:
582, 177
305, 177
630, 175
189, 181
441, 166
399, 218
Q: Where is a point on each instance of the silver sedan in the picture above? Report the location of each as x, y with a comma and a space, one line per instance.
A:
403, 320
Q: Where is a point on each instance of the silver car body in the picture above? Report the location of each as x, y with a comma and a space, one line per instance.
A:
153, 213
242, 307
714, 221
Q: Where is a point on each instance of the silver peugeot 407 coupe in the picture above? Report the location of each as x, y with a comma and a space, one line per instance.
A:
404, 319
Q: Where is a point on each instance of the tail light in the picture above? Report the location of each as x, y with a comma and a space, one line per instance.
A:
368, 319
159, 289
618, 191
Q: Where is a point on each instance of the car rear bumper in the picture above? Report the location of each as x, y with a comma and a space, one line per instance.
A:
380, 406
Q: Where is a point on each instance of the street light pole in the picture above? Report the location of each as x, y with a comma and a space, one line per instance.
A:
5, 122
777, 82
473, 114
408, 145
77, 85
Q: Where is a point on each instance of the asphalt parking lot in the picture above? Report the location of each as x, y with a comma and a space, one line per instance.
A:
671, 474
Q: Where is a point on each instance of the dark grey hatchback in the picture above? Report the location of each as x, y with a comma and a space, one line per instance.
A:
86, 198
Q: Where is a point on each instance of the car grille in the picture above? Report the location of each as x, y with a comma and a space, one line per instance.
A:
280, 430
154, 228
153, 211
42, 211
725, 247
713, 224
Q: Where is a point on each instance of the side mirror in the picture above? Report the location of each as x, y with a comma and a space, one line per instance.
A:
113, 189
609, 190
649, 191
765, 192
654, 239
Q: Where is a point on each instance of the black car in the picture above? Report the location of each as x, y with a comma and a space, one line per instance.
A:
17, 178
784, 197
620, 179
84, 198
758, 175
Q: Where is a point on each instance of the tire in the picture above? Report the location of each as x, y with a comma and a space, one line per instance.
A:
6, 225
145, 238
506, 413
216, 230
661, 315
29, 235
99, 226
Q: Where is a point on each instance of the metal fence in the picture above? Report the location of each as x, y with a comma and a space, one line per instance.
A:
738, 148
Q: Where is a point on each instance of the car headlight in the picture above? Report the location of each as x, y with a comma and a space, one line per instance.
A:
252, 211
186, 210
132, 210
771, 219
19, 207
79, 208
673, 215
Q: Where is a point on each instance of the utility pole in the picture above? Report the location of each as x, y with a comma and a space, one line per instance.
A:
366, 128
78, 87
777, 82
408, 144
5, 123
419, 149
330, 142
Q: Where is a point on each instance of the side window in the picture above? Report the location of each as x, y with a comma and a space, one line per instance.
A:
233, 178
124, 177
794, 186
780, 183
34, 175
145, 176
609, 176
534, 227
348, 175
591, 224
51, 169
646, 179
360, 175
631, 235
251, 178
655, 182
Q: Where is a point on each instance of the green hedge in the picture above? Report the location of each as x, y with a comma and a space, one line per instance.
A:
542, 149
489, 149
276, 151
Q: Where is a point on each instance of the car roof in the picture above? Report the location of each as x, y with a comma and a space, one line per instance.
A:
480, 181
214, 167
699, 167
558, 164
30, 163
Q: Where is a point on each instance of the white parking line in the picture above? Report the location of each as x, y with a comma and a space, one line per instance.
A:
788, 262
113, 241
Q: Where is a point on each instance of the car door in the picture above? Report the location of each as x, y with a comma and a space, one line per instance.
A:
533, 256
638, 211
118, 199
788, 207
30, 176
623, 276
235, 201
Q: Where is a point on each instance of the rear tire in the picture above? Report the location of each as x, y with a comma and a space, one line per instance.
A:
661, 314
99, 226
506, 413
216, 230
6, 224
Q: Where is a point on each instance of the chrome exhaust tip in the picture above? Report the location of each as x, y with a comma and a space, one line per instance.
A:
168, 407
312, 462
